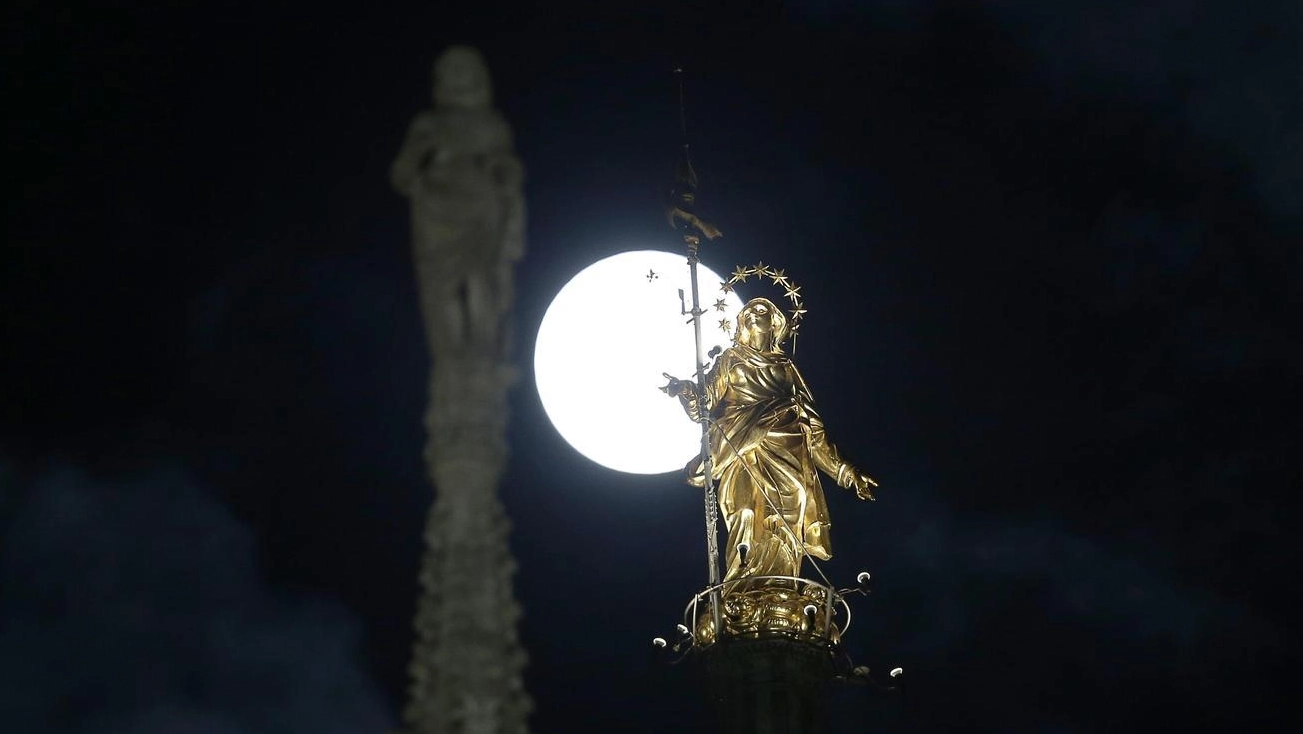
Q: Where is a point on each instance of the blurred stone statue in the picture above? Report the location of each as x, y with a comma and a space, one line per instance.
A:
766, 443
458, 169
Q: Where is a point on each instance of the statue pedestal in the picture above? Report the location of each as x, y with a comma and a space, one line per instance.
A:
768, 669
761, 607
768, 686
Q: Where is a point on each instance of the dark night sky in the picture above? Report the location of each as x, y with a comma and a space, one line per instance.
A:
1050, 253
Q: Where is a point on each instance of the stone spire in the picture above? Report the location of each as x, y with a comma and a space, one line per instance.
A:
458, 169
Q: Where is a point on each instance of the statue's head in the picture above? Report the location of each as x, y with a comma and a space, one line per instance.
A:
761, 325
461, 79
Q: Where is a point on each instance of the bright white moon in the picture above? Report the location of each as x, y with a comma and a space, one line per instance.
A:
601, 349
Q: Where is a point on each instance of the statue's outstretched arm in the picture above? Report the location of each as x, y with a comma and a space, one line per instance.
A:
686, 392
825, 454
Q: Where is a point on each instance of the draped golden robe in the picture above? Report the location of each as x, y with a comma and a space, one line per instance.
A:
766, 442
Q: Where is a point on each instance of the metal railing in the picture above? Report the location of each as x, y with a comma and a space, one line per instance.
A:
836, 612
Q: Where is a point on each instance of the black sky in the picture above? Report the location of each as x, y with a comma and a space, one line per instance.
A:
1051, 255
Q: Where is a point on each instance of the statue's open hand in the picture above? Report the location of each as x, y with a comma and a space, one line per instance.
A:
676, 387
863, 484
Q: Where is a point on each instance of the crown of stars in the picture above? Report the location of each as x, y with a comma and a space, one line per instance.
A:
791, 291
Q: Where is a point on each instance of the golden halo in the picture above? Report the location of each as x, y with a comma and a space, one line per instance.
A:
790, 289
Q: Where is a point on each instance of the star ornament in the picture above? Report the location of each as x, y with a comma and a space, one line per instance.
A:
791, 291
720, 305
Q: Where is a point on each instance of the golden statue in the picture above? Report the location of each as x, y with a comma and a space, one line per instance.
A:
766, 443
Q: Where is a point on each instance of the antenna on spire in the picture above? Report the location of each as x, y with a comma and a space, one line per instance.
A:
683, 194
679, 210
683, 107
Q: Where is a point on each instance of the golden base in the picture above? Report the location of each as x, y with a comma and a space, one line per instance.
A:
773, 609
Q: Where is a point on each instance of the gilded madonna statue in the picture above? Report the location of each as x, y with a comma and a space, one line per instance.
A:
767, 446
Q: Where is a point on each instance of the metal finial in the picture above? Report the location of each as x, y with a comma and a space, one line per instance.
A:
683, 107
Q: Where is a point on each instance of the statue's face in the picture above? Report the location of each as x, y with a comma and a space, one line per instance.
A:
462, 80
757, 324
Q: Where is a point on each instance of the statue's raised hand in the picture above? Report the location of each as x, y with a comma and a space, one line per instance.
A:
677, 388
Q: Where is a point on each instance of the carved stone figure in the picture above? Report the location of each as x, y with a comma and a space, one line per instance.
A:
457, 167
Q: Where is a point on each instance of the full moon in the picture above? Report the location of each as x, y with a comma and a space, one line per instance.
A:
603, 345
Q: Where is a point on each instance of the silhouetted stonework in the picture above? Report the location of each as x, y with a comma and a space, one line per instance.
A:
464, 182
773, 686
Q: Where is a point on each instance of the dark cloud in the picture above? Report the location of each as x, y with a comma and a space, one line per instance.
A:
136, 604
1225, 71
1023, 624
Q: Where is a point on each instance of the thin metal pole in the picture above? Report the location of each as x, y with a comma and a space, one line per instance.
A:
683, 199
710, 498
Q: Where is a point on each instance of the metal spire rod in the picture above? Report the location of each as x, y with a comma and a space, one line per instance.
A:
683, 108
682, 201
712, 511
